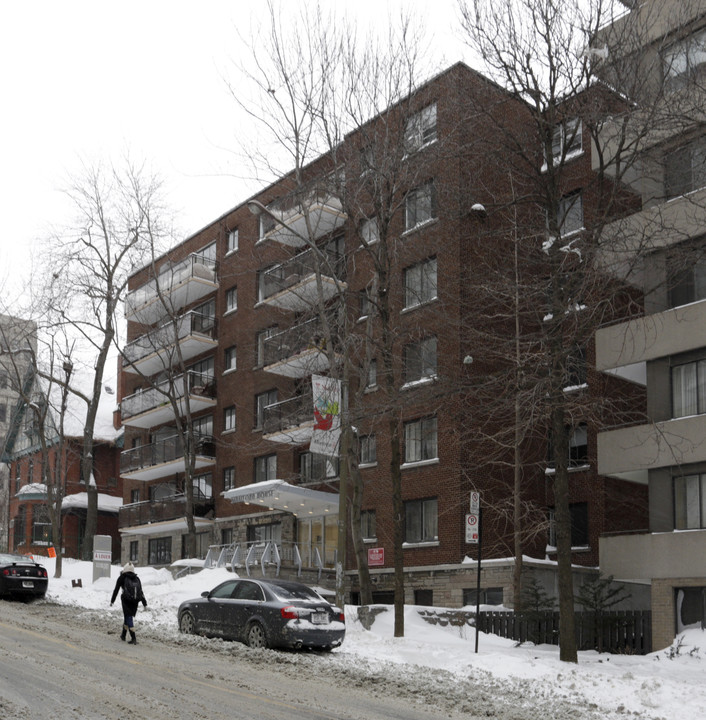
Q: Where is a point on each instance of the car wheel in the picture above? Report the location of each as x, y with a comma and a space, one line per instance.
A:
187, 624
255, 636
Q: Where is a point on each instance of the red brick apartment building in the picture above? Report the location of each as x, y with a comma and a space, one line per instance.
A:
242, 331
30, 529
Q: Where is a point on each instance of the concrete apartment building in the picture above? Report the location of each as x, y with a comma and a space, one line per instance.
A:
221, 329
665, 348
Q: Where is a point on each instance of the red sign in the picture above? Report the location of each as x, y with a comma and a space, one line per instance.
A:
376, 557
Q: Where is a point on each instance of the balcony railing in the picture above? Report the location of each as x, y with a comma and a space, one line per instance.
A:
289, 421
194, 331
152, 406
313, 202
164, 457
270, 556
179, 285
298, 351
170, 508
292, 285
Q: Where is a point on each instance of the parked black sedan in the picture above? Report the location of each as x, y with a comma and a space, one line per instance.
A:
265, 613
21, 577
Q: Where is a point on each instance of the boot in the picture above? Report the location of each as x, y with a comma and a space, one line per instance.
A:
133, 639
123, 633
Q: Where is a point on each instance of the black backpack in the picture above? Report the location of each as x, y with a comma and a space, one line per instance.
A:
132, 589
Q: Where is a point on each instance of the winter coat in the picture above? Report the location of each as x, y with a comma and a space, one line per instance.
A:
129, 605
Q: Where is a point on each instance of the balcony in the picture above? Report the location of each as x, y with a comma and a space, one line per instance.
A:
292, 285
649, 556
289, 421
297, 352
171, 508
152, 406
195, 333
651, 337
179, 285
630, 452
165, 458
305, 215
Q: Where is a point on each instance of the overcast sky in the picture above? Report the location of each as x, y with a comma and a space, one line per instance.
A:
93, 79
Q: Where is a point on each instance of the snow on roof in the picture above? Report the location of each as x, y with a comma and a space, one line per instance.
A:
32, 489
106, 503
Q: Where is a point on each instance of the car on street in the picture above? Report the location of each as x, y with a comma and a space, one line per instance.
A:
22, 577
265, 613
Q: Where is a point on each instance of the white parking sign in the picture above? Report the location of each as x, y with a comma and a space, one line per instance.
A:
472, 527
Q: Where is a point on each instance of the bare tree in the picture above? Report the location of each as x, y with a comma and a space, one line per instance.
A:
118, 216
581, 263
318, 83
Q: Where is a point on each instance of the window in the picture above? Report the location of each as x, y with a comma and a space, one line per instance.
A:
579, 525
269, 532
265, 468
232, 241
684, 61
3, 413
135, 496
690, 605
420, 440
203, 486
315, 468
686, 280
488, 596
229, 419
420, 205
366, 305
369, 231
202, 541
159, 551
232, 299
690, 502
367, 159
372, 379
421, 521
207, 254
262, 400
133, 550
260, 344
41, 525
567, 139
203, 318
570, 213
420, 283
228, 478
578, 446
368, 450
231, 362
689, 389
268, 281
18, 534
420, 360
576, 367
367, 524
420, 129
226, 536
685, 169
203, 427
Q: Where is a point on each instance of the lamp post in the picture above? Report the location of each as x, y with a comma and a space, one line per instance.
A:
258, 209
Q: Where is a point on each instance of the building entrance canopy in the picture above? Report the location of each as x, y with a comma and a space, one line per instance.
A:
280, 495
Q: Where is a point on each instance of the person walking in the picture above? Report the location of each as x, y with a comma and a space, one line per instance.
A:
131, 596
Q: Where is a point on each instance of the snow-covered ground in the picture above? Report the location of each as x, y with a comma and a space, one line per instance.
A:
669, 684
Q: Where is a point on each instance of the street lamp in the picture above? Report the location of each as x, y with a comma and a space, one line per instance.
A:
258, 209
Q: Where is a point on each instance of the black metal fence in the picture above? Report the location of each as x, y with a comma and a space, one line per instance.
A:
616, 631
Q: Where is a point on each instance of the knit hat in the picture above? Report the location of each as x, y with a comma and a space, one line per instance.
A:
128, 567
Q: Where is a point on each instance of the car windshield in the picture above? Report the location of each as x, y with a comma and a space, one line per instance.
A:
7, 559
295, 593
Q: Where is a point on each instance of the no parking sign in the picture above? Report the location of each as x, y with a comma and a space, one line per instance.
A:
472, 527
